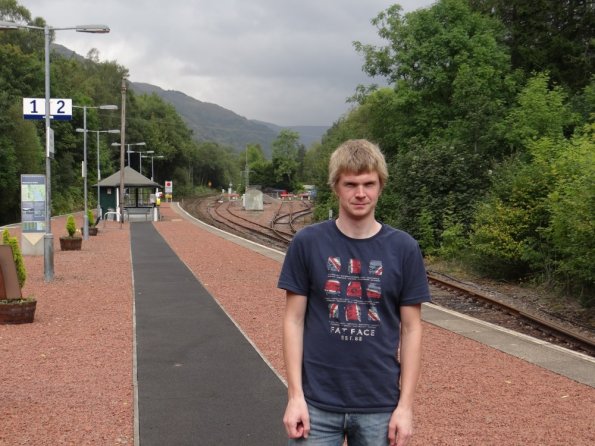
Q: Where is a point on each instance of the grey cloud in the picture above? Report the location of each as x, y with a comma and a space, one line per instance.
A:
284, 61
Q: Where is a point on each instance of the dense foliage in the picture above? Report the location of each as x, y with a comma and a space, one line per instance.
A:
487, 128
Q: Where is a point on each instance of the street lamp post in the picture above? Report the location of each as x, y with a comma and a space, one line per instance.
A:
99, 164
128, 151
84, 130
152, 157
140, 160
48, 238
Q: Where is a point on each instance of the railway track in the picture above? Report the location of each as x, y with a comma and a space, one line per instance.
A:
459, 296
512, 317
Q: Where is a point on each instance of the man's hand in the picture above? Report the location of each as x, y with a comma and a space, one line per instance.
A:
297, 418
400, 427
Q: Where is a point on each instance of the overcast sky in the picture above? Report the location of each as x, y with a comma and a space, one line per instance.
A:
288, 62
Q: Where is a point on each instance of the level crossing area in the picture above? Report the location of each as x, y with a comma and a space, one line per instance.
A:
169, 332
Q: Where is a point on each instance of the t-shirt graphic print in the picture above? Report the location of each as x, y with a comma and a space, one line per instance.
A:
352, 294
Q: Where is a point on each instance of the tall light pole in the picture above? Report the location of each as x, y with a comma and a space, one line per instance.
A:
84, 130
152, 157
99, 163
48, 238
128, 151
140, 160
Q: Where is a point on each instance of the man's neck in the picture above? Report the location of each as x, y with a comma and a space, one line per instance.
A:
358, 229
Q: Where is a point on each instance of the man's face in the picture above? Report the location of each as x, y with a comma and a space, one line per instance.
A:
358, 194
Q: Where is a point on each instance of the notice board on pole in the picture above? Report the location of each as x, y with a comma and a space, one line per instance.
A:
33, 203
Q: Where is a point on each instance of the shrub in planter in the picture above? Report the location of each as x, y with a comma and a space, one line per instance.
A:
17, 255
91, 219
73, 241
15, 309
70, 226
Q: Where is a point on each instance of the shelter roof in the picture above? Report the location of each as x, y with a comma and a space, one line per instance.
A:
132, 178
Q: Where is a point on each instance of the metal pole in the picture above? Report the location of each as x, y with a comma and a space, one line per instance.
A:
152, 168
122, 148
98, 180
128, 152
140, 163
48, 238
85, 218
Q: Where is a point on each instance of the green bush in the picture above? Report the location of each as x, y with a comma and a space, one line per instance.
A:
17, 255
453, 242
70, 226
497, 240
90, 218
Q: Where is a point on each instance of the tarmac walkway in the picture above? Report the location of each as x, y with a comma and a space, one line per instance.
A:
200, 382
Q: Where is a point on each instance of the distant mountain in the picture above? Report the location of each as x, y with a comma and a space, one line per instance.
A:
66, 53
211, 122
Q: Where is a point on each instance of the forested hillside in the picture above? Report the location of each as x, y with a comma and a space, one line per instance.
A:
210, 122
486, 122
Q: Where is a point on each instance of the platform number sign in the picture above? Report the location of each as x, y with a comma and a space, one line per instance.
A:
60, 109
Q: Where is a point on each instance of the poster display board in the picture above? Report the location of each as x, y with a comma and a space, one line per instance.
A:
33, 196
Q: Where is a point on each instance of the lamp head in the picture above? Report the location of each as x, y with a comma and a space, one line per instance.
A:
8, 25
95, 29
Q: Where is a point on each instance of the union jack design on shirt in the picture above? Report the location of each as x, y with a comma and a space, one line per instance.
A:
334, 264
373, 290
375, 268
353, 313
373, 314
354, 289
333, 311
355, 266
333, 287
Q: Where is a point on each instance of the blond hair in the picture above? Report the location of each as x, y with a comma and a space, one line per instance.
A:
357, 156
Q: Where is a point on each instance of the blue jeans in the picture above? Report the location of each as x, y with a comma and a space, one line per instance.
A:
332, 428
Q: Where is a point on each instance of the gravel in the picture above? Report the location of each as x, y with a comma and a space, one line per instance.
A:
67, 378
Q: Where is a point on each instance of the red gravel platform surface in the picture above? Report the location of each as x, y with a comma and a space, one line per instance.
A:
67, 378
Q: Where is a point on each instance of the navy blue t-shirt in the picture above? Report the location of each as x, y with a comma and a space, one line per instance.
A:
354, 289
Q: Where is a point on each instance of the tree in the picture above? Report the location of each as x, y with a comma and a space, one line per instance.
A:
450, 82
572, 224
548, 35
448, 68
541, 111
538, 216
285, 158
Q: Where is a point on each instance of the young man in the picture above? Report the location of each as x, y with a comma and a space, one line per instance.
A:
354, 292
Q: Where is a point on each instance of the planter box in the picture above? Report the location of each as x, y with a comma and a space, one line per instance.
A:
71, 243
20, 311
93, 230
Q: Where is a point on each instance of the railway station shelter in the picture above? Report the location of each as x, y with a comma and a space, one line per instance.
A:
139, 192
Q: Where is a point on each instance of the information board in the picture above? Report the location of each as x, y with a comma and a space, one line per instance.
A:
33, 203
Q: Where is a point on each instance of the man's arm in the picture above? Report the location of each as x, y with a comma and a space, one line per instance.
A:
400, 428
296, 418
